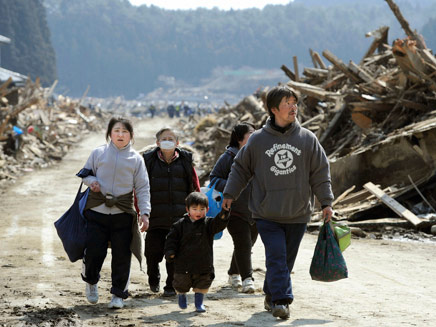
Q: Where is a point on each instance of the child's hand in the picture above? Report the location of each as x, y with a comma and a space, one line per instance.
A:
223, 214
170, 257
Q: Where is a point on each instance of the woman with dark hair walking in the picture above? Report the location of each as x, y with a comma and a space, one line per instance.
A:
241, 226
113, 171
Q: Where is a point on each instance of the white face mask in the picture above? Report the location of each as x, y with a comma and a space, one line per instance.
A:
167, 145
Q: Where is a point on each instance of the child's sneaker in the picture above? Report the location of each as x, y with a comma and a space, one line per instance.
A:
116, 302
248, 285
199, 306
183, 303
235, 281
91, 293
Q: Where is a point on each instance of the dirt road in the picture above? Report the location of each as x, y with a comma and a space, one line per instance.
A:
389, 284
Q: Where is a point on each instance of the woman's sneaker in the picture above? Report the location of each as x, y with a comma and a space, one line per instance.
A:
91, 293
235, 281
116, 302
248, 285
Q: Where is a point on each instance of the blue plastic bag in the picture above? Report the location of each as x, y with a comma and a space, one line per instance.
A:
215, 201
71, 227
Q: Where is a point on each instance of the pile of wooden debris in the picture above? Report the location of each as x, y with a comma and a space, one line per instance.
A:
376, 121
350, 106
212, 133
36, 129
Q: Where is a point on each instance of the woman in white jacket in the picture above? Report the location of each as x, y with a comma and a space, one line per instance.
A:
116, 171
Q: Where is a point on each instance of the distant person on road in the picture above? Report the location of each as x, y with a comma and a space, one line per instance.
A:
287, 166
171, 110
190, 245
186, 109
172, 178
241, 226
177, 109
152, 110
113, 171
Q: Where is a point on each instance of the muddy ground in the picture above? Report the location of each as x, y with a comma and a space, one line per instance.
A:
390, 283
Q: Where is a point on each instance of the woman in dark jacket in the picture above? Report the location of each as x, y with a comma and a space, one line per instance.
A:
241, 226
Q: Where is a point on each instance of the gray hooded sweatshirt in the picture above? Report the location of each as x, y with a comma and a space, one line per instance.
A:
287, 170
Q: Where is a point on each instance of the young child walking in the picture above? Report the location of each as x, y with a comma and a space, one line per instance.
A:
190, 245
113, 172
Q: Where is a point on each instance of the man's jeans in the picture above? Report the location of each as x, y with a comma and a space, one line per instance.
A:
281, 243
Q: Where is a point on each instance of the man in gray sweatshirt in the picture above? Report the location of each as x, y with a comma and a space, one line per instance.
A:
287, 167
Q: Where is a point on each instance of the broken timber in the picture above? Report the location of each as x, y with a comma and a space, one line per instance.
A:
393, 204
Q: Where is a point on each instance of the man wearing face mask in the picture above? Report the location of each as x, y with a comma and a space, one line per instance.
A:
172, 177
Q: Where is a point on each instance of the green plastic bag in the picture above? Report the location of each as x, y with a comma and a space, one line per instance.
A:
328, 264
342, 234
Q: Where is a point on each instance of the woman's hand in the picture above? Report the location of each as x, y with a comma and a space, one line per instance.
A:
143, 223
95, 187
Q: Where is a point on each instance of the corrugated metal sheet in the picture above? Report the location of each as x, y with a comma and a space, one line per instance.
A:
4, 39
17, 78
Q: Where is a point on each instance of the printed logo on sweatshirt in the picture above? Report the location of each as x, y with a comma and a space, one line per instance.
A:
283, 155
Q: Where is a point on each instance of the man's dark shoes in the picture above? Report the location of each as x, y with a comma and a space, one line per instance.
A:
281, 311
169, 292
154, 288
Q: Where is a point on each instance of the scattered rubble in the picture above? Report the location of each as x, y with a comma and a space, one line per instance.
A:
36, 129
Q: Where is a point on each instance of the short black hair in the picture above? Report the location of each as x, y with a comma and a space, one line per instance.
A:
275, 96
238, 133
127, 124
196, 198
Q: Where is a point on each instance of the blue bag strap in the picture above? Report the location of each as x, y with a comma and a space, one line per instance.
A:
79, 190
212, 185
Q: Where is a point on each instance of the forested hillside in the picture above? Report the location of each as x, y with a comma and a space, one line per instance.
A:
30, 51
120, 49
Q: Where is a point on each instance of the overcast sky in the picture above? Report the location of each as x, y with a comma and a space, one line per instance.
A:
221, 4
